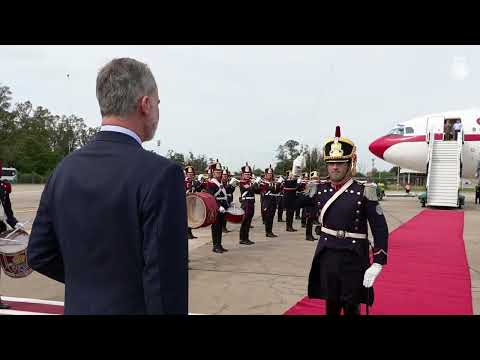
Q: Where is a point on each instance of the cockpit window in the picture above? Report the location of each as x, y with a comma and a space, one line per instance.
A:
408, 130
397, 131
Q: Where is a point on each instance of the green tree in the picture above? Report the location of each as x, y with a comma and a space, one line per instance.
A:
199, 162
286, 153
177, 157
33, 139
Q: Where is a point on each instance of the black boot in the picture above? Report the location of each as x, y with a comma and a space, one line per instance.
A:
291, 229
271, 235
309, 235
223, 249
246, 242
190, 234
280, 219
217, 249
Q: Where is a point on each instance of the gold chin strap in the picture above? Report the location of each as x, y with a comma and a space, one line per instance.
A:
354, 162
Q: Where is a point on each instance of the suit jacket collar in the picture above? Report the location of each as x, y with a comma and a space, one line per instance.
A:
113, 136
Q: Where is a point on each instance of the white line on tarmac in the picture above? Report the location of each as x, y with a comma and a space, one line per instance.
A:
33, 301
17, 312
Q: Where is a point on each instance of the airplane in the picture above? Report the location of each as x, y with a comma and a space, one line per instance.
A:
406, 146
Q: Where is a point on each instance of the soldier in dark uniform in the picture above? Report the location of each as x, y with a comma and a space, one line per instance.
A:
191, 185
290, 198
248, 189
230, 189
270, 189
6, 217
216, 188
477, 193
341, 272
301, 188
280, 200
311, 210
262, 213
303, 216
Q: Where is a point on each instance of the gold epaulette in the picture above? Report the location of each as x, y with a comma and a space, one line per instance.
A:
370, 191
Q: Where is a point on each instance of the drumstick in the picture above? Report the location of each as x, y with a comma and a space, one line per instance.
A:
14, 231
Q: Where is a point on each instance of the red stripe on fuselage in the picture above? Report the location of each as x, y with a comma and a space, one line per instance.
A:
379, 146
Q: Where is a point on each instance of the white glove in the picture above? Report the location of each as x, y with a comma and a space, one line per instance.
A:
19, 226
371, 274
221, 209
200, 177
258, 180
234, 181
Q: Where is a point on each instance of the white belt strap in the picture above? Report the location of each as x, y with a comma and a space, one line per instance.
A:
245, 193
221, 189
333, 198
269, 194
343, 234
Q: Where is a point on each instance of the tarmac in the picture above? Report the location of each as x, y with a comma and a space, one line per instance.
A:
266, 278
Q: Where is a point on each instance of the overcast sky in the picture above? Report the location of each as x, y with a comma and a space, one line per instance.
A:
238, 103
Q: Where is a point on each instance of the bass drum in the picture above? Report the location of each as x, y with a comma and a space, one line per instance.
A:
202, 210
234, 215
13, 253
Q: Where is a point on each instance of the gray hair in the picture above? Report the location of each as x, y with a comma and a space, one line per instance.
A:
121, 83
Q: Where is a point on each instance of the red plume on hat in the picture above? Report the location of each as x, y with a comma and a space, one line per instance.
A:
337, 131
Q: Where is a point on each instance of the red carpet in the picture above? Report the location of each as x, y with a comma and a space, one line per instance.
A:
427, 271
35, 307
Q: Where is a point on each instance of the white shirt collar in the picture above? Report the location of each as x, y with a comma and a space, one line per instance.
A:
122, 130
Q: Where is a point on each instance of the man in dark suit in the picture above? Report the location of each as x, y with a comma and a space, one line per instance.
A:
111, 223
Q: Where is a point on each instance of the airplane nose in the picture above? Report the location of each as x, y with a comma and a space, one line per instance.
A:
379, 146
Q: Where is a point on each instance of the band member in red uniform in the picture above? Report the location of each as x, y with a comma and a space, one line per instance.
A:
270, 190
301, 187
248, 189
304, 182
191, 185
216, 188
311, 211
230, 189
6, 217
281, 200
290, 199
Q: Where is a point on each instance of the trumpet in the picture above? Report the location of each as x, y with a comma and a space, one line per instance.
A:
234, 181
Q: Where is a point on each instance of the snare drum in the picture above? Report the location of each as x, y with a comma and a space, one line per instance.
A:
13, 253
202, 210
234, 215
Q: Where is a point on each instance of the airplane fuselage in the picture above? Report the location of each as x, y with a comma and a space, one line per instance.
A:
406, 145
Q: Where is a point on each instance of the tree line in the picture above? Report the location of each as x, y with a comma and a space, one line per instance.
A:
33, 140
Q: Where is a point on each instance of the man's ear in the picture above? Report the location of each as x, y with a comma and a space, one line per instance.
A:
144, 105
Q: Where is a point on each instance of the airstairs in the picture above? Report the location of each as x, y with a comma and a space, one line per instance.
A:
444, 169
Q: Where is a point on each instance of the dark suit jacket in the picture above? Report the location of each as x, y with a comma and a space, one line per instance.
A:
112, 226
